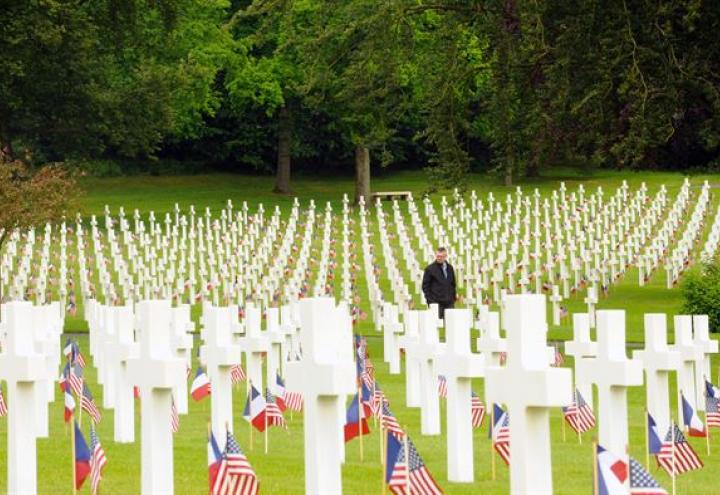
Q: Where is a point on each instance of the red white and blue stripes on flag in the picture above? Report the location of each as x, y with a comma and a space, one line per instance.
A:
691, 419
612, 473
254, 411
82, 458
235, 475
200, 387
677, 455
355, 420
501, 433
97, 461
405, 472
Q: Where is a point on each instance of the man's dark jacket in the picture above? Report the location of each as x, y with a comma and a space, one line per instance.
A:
436, 287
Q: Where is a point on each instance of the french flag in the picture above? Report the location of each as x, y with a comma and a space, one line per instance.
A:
355, 422
201, 385
612, 473
214, 459
69, 405
82, 458
696, 427
255, 409
654, 442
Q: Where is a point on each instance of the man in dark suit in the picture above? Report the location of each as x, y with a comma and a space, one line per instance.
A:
439, 282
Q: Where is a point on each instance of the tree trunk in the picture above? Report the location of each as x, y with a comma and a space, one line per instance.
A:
362, 174
508, 174
282, 176
6, 151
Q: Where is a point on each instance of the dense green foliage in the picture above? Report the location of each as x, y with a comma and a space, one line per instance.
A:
452, 85
701, 292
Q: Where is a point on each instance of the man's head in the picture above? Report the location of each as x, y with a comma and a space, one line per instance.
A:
440, 255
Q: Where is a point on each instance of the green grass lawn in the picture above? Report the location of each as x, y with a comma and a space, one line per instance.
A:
281, 471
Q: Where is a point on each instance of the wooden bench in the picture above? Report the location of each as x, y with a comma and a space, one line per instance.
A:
390, 195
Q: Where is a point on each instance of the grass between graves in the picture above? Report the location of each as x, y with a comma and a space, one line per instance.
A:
281, 471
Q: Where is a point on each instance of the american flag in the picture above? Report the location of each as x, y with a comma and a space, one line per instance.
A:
174, 418
293, 400
405, 477
3, 406
442, 386
579, 415
76, 356
389, 422
477, 409
501, 433
273, 414
712, 412
235, 475
685, 458
237, 374
75, 379
87, 402
641, 482
378, 399
97, 461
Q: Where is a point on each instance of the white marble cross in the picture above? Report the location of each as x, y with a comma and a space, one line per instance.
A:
254, 343
124, 350
459, 365
427, 350
182, 343
219, 354
391, 328
658, 361
276, 338
156, 372
409, 342
556, 299
591, 300
692, 358
530, 388
612, 372
325, 376
701, 336
581, 347
21, 367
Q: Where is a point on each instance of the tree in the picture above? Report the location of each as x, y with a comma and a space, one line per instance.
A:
87, 78
30, 198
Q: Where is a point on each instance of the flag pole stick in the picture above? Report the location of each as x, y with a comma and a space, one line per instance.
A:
383, 445
707, 434
492, 440
249, 399
373, 398
407, 464
707, 426
382, 440
72, 443
266, 429
564, 435
672, 443
647, 441
360, 424
595, 469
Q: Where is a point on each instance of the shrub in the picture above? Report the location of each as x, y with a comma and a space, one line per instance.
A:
701, 292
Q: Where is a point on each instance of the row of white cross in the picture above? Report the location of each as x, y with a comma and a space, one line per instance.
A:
149, 346
562, 242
